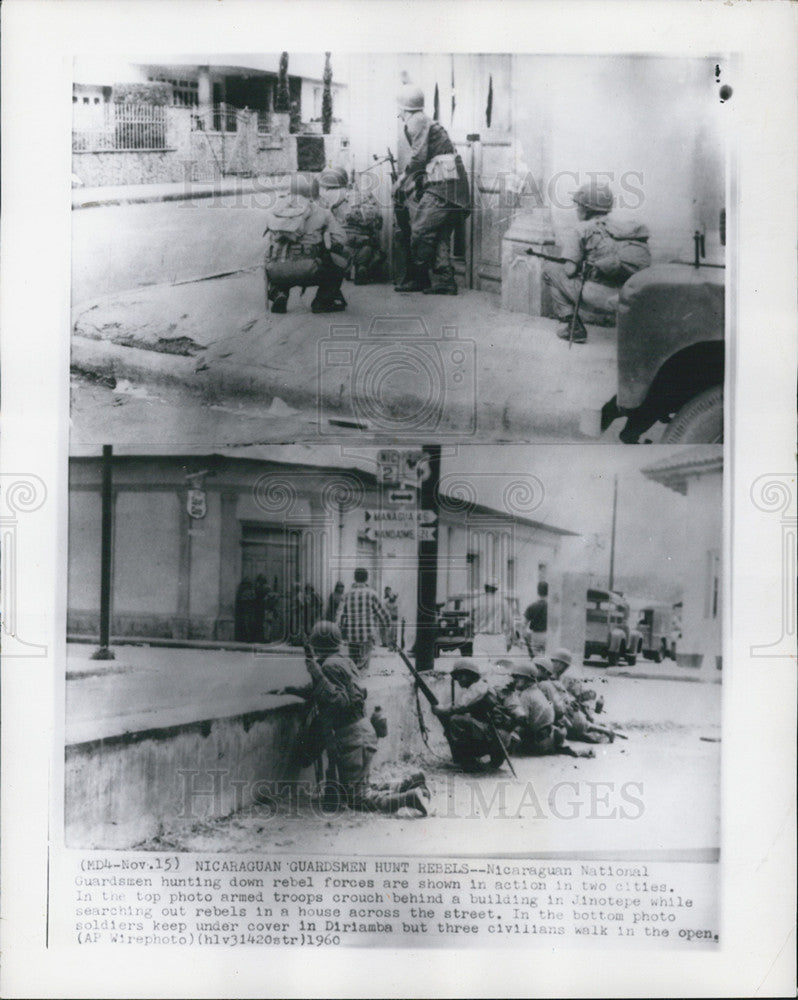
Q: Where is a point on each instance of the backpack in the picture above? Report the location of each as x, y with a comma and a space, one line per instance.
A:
617, 249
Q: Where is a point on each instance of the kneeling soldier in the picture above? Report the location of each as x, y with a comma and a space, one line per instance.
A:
359, 215
532, 714
470, 723
305, 246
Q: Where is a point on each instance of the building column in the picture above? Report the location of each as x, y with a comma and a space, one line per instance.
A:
205, 96
229, 566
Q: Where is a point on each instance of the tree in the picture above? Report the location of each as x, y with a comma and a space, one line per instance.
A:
326, 97
281, 100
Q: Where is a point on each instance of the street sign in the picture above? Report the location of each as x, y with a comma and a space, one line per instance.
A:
381, 516
196, 504
401, 496
426, 534
427, 516
402, 468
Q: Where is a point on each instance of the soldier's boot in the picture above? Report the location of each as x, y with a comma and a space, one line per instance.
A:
443, 282
580, 332
408, 800
416, 279
279, 301
416, 780
328, 303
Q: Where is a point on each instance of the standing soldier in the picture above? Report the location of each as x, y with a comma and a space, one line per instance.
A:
434, 186
305, 246
537, 620
607, 251
361, 614
470, 723
359, 215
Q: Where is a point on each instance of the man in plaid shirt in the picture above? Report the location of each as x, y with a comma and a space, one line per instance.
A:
359, 616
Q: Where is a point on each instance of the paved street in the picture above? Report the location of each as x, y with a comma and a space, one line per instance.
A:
155, 346
670, 762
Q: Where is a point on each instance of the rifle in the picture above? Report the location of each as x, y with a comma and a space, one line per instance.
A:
547, 256
433, 700
606, 731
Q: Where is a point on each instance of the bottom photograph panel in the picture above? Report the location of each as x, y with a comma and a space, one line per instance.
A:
490, 653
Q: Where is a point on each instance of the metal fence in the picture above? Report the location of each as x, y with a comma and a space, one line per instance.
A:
101, 127
220, 118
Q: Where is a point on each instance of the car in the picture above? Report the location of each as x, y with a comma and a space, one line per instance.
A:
456, 625
608, 633
671, 354
655, 624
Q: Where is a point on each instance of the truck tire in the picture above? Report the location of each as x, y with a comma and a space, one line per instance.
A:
656, 656
467, 649
631, 659
698, 422
613, 657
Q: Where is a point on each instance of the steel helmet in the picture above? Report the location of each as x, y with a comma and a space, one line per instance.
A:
544, 666
326, 636
410, 98
334, 177
597, 197
466, 667
563, 655
299, 186
525, 670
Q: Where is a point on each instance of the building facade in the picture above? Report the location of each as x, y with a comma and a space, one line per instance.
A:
190, 532
697, 473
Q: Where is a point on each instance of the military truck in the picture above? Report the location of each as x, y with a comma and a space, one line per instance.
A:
671, 354
608, 633
655, 624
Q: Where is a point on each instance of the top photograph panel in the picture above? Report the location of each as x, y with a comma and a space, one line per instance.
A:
471, 248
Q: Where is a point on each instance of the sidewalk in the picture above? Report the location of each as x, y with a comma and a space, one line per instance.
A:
138, 194
459, 367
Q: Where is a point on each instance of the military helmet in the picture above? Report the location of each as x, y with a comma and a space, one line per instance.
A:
410, 98
333, 177
594, 196
564, 656
527, 670
299, 186
544, 666
326, 636
466, 667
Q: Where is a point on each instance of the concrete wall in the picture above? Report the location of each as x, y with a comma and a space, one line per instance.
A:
128, 788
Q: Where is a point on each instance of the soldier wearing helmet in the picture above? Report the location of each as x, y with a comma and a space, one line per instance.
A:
303, 247
532, 714
434, 186
604, 251
358, 213
338, 699
469, 721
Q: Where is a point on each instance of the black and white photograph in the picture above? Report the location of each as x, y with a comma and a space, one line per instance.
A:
397, 498
289, 245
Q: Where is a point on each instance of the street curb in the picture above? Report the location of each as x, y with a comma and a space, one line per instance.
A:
104, 359
182, 195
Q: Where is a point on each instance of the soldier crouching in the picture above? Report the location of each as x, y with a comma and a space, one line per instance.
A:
358, 213
305, 247
471, 723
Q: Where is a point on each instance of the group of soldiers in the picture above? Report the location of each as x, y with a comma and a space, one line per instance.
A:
538, 711
319, 233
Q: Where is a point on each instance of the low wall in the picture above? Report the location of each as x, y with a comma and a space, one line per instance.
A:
133, 786
141, 166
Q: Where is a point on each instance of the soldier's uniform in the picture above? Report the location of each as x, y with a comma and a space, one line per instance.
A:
532, 714
304, 245
360, 217
467, 722
434, 186
611, 249
339, 699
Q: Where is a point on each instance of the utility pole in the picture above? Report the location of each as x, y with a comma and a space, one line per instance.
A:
612, 538
106, 542
427, 613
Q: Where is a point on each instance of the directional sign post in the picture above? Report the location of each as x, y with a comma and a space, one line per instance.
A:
426, 618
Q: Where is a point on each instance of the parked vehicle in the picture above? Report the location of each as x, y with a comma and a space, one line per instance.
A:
655, 624
608, 633
671, 354
456, 625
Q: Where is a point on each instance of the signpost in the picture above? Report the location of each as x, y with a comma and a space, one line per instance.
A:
427, 616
